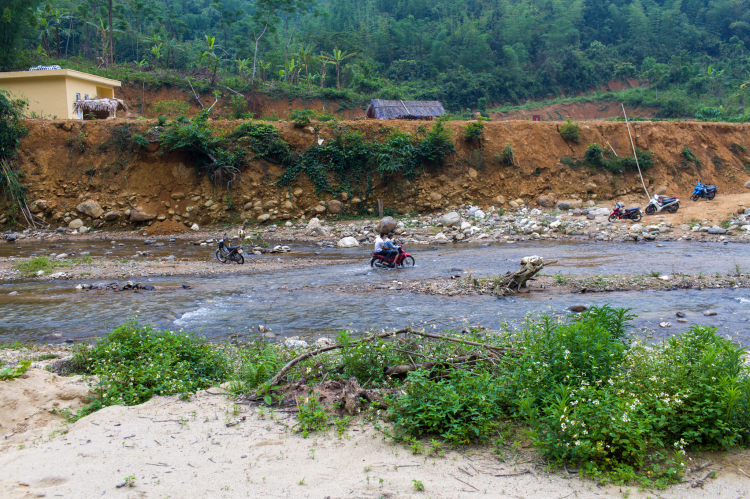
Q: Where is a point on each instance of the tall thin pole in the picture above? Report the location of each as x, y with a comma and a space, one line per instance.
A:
635, 155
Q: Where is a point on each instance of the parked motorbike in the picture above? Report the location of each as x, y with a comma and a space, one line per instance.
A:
229, 253
703, 191
662, 203
401, 259
621, 212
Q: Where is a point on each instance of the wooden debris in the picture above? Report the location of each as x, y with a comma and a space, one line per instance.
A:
512, 282
353, 397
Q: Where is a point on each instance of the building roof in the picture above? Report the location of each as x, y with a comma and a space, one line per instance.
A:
391, 109
59, 72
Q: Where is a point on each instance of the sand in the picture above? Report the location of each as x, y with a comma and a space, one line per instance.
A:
179, 449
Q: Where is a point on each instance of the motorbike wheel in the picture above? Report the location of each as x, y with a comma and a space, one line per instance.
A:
637, 216
650, 209
694, 197
376, 263
221, 256
674, 208
711, 195
612, 218
239, 258
408, 262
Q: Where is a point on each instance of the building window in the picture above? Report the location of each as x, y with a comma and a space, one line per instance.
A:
78, 96
86, 97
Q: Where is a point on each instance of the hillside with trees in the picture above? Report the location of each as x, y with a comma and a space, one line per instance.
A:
688, 56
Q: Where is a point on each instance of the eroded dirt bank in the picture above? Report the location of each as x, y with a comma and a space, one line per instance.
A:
68, 162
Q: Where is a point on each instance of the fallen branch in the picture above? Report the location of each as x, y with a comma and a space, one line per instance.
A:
196, 95
702, 481
403, 369
512, 282
279, 375
702, 466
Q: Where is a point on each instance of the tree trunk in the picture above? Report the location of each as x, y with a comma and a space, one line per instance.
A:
255, 54
338, 79
512, 282
57, 43
323, 76
111, 39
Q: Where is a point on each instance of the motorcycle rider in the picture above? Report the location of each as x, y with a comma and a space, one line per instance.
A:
381, 250
388, 244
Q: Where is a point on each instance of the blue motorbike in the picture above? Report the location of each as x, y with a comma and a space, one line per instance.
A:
703, 191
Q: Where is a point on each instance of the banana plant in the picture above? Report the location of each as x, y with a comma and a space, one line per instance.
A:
156, 52
306, 59
264, 66
210, 55
242, 65
337, 57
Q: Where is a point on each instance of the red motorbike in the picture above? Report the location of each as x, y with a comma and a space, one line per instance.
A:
400, 259
621, 212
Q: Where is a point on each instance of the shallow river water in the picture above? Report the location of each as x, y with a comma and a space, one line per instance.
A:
305, 301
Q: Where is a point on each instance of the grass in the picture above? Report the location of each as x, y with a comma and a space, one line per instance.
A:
29, 267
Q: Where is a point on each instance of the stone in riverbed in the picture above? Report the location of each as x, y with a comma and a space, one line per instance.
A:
717, 230
709, 313
578, 308
75, 224
680, 314
112, 215
348, 242
141, 216
387, 224
450, 219
563, 206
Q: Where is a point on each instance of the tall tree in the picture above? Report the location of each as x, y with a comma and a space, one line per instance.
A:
15, 17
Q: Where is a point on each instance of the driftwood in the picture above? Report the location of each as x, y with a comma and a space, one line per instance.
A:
494, 351
353, 397
403, 369
512, 282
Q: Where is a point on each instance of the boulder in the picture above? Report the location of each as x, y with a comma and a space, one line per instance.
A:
195, 228
313, 223
294, 343
83, 230
297, 192
479, 214
450, 219
112, 215
747, 184
262, 218
513, 204
248, 206
75, 224
355, 201
320, 209
90, 208
709, 313
546, 201
178, 195
436, 197
141, 216
387, 224
563, 206
500, 199
578, 308
334, 206
660, 190
348, 242
717, 230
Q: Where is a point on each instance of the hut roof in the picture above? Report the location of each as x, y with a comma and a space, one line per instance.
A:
110, 106
391, 109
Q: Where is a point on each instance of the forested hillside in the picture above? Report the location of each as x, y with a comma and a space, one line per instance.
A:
686, 54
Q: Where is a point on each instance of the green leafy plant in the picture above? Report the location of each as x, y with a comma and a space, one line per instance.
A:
688, 157
171, 108
570, 131
474, 130
301, 117
506, 156
135, 362
311, 414
29, 267
8, 373
418, 485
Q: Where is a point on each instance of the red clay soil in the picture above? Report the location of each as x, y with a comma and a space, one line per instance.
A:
166, 184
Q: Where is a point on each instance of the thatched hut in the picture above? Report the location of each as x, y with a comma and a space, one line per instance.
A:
404, 109
101, 108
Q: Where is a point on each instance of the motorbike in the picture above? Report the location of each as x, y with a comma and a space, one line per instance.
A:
621, 212
662, 203
401, 259
229, 253
703, 191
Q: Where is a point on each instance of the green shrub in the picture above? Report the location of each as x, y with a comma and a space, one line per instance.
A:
570, 131
11, 125
461, 408
506, 156
594, 154
258, 363
688, 157
474, 130
301, 117
134, 363
237, 106
311, 414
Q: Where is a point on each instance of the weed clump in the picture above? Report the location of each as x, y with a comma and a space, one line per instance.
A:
135, 362
474, 131
570, 131
506, 156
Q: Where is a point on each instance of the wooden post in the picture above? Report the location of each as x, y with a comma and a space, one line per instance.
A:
380, 208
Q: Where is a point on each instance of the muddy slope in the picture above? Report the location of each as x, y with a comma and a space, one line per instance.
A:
67, 162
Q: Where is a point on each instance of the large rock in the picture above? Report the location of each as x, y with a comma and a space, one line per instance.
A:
314, 228
717, 230
334, 206
387, 224
38, 206
90, 208
563, 206
450, 219
546, 201
747, 184
248, 206
112, 215
141, 216
348, 242
500, 199
178, 195
75, 224
320, 209
263, 217
660, 190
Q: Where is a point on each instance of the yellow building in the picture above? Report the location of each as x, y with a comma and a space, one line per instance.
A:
51, 92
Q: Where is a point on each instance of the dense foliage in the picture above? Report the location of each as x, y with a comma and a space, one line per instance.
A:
685, 55
135, 362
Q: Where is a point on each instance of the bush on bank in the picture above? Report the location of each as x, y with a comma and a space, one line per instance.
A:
579, 388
